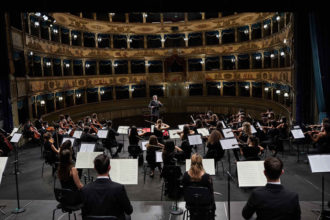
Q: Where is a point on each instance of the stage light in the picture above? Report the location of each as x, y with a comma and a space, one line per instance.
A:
31, 53
74, 36
112, 14
284, 41
115, 64
145, 15
38, 14
163, 88
162, 40
36, 24
258, 57
48, 64
202, 61
87, 65
272, 55
217, 35
186, 38
219, 86
45, 17
233, 60
147, 64
55, 31
99, 39
78, 95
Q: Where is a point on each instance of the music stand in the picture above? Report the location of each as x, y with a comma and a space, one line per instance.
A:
320, 164
77, 134
15, 139
3, 162
298, 135
123, 130
174, 134
195, 140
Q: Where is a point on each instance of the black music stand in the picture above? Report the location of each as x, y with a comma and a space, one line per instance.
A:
320, 164
15, 139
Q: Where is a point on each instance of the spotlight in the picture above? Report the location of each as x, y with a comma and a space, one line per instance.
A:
272, 55
132, 89
50, 25
60, 98
54, 21
38, 14
78, 95
186, 38
147, 64
246, 31
163, 88
31, 53
219, 86
284, 41
282, 54
233, 60
99, 39
116, 64
87, 65
48, 64
55, 31
102, 92
278, 18
67, 65
246, 87
162, 40
45, 17
145, 15
112, 14
278, 91
266, 89
265, 26
42, 102
202, 61
258, 57
75, 36
129, 40
217, 35
286, 95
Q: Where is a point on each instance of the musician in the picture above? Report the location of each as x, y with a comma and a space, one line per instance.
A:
215, 150
5, 145
63, 123
197, 177
273, 201
159, 129
95, 121
50, 151
68, 176
185, 145
171, 153
322, 139
87, 120
111, 142
134, 135
30, 132
154, 105
152, 147
245, 132
251, 150
87, 137
198, 124
38, 123
58, 135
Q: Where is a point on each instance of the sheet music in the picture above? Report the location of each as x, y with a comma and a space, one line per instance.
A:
87, 147
124, 171
152, 128
228, 144
77, 134
13, 132
296, 127
208, 165
227, 132
102, 133
253, 130
259, 125
123, 129
297, 134
203, 131
68, 138
69, 131
319, 163
159, 157
174, 134
192, 118
195, 139
143, 145
223, 124
180, 127
3, 162
251, 173
85, 160
16, 138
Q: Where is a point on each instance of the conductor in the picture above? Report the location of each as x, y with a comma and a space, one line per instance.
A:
154, 106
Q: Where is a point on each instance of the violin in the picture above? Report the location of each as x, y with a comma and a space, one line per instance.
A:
94, 128
50, 129
7, 144
36, 134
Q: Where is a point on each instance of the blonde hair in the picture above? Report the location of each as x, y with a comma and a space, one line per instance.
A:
196, 167
247, 128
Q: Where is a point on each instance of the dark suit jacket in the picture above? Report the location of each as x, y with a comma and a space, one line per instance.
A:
104, 197
156, 105
272, 202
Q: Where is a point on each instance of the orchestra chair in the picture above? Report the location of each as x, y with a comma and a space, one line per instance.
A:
65, 197
145, 168
199, 204
47, 155
100, 218
171, 175
134, 151
269, 141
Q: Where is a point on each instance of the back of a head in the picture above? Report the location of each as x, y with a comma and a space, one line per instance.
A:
133, 131
47, 136
214, 136
101, 164
109, 123
66, 144
273, 168
153, 140
325, 120
199, 123
86, 129
196, 167
219, 125
65, 164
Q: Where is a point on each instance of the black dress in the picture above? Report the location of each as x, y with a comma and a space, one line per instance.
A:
76, 196
251, 153
49, 154
206, 181
151, 157
214, 151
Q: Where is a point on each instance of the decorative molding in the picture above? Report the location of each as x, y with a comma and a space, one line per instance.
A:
73, 22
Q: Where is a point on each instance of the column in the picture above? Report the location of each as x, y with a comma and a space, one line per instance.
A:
163, 65
59, 35
147, 81
49, 34
94, 16
220, 36
114, 93
85, 96
130, 91
52, 66
72, 69
250, 32
203, 15
98, 94
161, 18
26, 62
236, 62
250, 61
186, 41
250, 89
145, 42
97, 67
126, 17
236, 89
29, 23
84, 67
203, 38
111, 41
113, 66
221, 88
144, 18
262, 90
96, 41
262, 60
110, 17
220, 14
70, 37
162, 41
30, 106
128, 42
82, 38
55, 107
64, 100
220, 63
42, 66
185, 17
278, 59
62, 68
236, 35
74, 97
271, 26
129, 67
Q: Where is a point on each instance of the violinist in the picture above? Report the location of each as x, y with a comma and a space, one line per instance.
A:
252, 150
30, 132
87, 120
159, 128
198, 124
95, 121
322, 139
69, 121
111, 142
38, 123
50, 151
185, 145
63, 123
87, 137
58, 135
152, 147
215, 150
5, 145
134, 136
